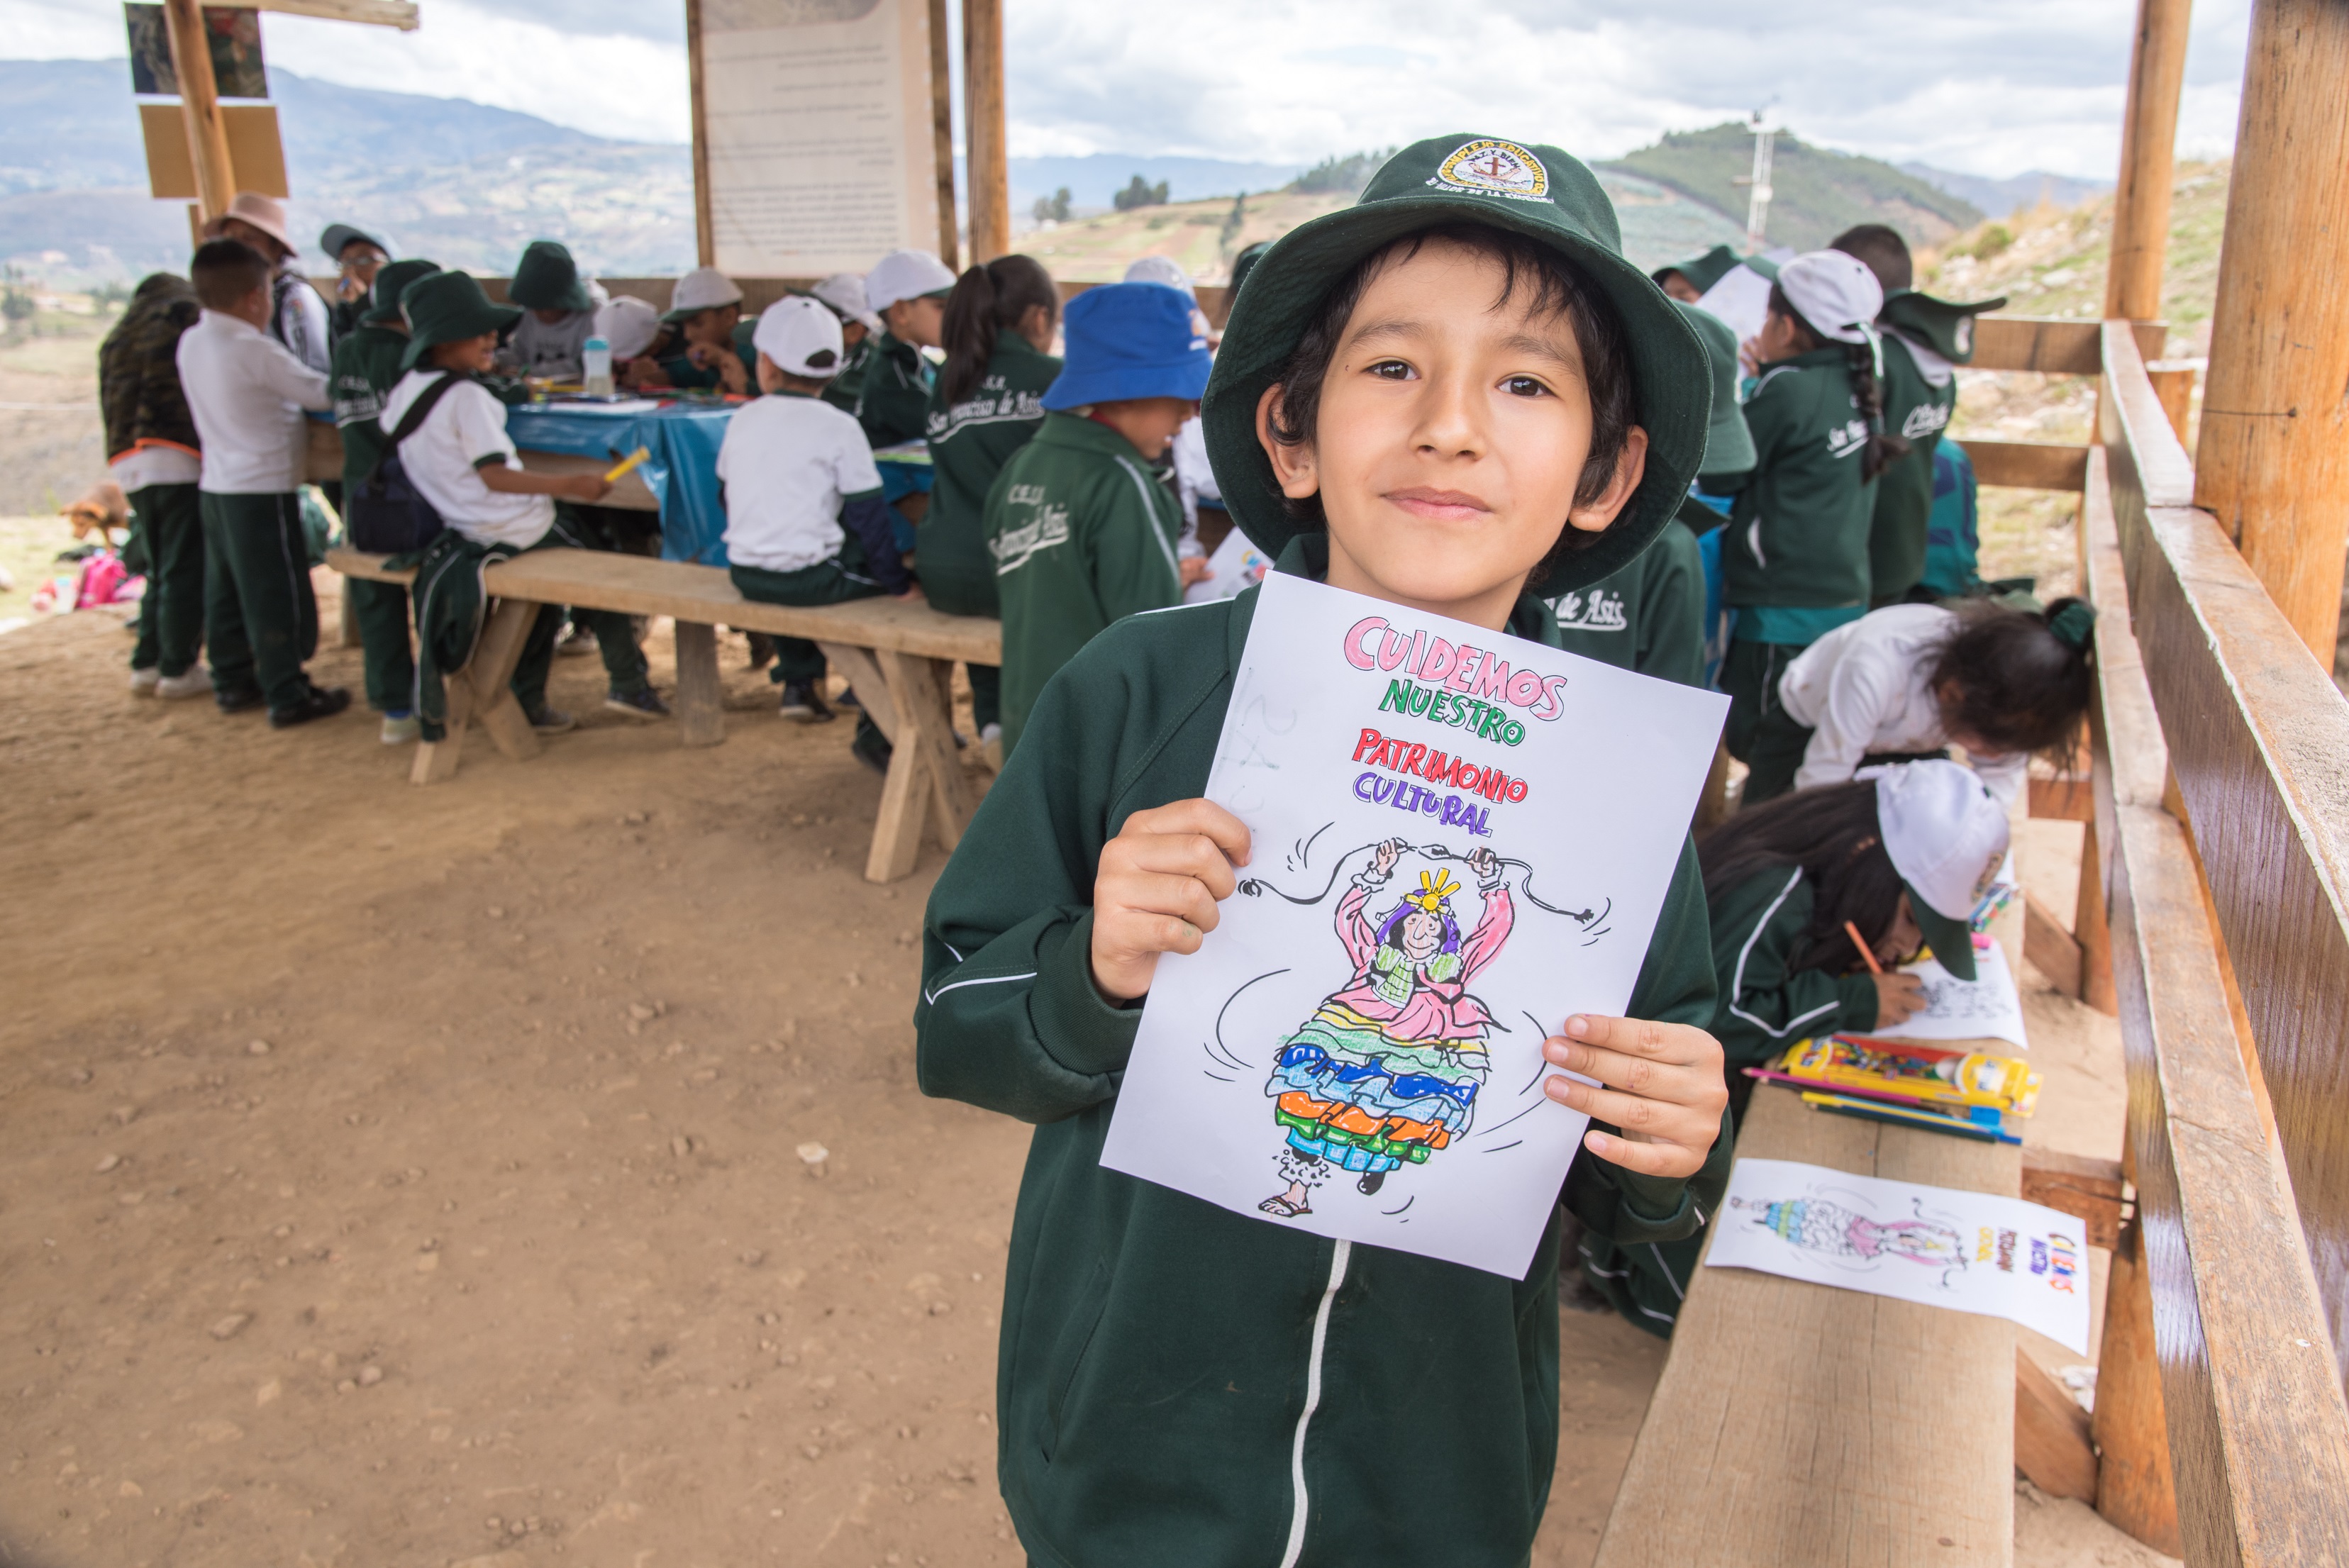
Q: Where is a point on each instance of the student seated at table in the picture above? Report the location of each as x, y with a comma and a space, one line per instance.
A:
298, 316
1905, 857
1081, 532
804, 519
357, 255
702, 314
909, 290
557, 316
860, 330
459, 456
629, 327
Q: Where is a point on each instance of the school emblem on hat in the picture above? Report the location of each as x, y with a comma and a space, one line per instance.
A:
1501, 168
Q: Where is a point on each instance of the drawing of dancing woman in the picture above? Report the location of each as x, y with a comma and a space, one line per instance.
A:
1386, 1070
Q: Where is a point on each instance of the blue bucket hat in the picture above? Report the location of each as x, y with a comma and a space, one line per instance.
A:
1128, 340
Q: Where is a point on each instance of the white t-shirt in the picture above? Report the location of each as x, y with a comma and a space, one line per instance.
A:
442, 461
788, 463
1866, 686
155, 463
247, 394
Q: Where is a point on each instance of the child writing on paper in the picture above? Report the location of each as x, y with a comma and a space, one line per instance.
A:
1904, 682
1451, 396
1905, 857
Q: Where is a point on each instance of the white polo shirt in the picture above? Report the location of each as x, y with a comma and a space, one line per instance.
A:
1867, 687
443, 458
247, 394
789, 461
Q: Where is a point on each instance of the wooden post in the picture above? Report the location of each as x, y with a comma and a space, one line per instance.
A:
942, 133
705, 240
2134, 1489
2149, 152
982, 105
192, 61
2274, 459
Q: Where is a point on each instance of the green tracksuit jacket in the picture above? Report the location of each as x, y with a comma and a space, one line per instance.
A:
1648, 617
1757, 929
1916, 408
1158, 1353
843, 389
1798, 533
893, 402
366, 369
969, 443
1081, 534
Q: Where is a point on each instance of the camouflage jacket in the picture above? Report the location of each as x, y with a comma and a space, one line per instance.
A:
139, 372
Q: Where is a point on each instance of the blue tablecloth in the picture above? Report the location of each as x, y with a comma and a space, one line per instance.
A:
682, 472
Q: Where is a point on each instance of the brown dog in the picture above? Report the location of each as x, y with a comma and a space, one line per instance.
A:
102, 510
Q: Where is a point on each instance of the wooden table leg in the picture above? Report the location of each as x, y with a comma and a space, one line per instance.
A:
490, 668
701, 699
926, 724
866, 679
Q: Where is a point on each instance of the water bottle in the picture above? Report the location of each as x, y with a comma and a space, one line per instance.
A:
598, 363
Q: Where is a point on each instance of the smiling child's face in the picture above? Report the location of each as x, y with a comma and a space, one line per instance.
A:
1451, 438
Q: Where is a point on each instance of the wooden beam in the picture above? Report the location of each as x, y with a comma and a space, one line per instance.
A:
2050, 1434
2149, 156
2274, 459
399, 13
942, 133
2136, 1491
2053, 950
2174, 385
192, 62
2027, 465
2053, 345
705, 233
982, 104
2090, 1189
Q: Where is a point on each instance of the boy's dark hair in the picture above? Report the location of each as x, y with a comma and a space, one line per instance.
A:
2023, 684
1883, 250
1832, 833
988, 301
822, 359
1559, 287
1884, 447
225, 271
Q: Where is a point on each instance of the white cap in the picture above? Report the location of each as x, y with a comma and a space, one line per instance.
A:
704, 288
801, 335
903, 276
1946, 836
1161, 270
1836, 294
629, 325
844, 291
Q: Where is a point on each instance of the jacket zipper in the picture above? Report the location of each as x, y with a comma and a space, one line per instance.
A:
1338, 1257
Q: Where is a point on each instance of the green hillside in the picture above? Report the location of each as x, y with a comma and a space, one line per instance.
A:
1816, 194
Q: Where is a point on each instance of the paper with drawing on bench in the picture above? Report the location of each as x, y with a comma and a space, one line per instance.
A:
1459, 838
1987, 1008
1969, 1252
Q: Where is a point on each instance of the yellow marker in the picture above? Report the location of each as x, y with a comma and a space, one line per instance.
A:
630, 461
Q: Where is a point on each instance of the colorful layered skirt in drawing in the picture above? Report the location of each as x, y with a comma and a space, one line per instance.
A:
1348, 1093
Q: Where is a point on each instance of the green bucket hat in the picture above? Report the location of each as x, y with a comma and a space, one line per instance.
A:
1945, 326
1728, 444
546, 278
449, 307
391, 280
1538, 191
1703, 271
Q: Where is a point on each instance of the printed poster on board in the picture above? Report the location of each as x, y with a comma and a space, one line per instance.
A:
1459, 838
1969, 1252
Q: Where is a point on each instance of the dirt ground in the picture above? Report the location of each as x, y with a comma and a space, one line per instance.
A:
411, 1176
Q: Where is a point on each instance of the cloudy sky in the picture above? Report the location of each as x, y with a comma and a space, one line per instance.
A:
1987, 86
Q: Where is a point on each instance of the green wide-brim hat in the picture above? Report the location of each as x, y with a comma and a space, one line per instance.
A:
546, 278
1703, 271
1526, 189
391, 281
449, 307
1945, 326
1728, 444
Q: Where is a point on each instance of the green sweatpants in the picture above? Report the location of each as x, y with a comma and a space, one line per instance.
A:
381, 611
261, 619
832, 581
615, 634
1749, 674
951, 589
169, 521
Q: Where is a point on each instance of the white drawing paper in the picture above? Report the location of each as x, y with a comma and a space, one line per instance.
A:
1741, 298
1987, 1008
1459, 838
1969, 1252
1233, 567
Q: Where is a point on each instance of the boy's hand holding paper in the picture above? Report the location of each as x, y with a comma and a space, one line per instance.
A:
1156, 891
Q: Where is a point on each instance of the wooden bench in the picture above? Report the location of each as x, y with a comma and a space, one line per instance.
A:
898, 654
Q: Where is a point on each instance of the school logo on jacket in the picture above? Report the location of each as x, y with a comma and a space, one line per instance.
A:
1599, 610
1923, 420
1015, 547
1847, 437
1500, 168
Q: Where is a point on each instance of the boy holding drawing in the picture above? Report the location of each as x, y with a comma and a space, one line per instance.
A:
1448, 393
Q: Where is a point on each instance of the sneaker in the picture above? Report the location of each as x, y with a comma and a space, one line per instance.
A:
193, 681
800, 701
552, 721
399, 729
847, 698
762, 649
318, 702
872, 749
644, 704
579, 641
143, 680
240, 699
